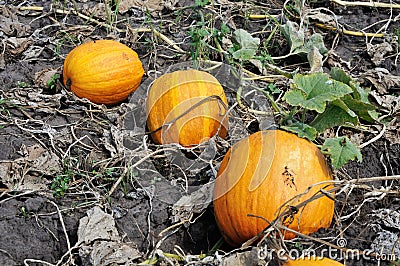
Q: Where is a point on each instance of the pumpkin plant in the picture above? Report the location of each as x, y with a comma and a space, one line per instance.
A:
316, 101
264, 175
186, 107
103, 71
317, 261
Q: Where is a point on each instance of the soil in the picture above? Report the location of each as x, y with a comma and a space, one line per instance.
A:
49, 136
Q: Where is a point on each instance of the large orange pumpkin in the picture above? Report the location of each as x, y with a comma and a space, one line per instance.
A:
186, 107
261, 173
103, 71
317, 261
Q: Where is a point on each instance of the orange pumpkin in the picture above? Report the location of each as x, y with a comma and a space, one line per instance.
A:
263, 172
186, 107
103, 71
317, 261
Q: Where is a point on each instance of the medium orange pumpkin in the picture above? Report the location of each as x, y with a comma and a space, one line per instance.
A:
317, 261
261, 173
186, 107
103, 71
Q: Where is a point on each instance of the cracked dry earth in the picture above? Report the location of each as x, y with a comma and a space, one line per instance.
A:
48, 134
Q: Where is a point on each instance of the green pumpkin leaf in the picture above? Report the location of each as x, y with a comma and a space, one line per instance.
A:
344, 106
312, 91
365, 111
248, 45
358, 92
334, 115
293, 35
244, 54
339, 75
359, 103
302, 130
201, 3
341, 151
298, 42
246, 40
316, 40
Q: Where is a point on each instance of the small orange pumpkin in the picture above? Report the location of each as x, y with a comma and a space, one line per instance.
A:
103, 71
263, 172
317, 261
186, 107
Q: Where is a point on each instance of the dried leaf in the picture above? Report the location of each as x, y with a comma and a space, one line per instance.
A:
224, 2
17, 45
14, 176
392, 132
100, 241
381, 79
249, 257
386, 241
193, 203
43, 161
377, 52
97, 225
315, 60
32, 52
4, 173
113, 140
2, 62
105, 253
9, 23
151, 5
97, 11
389, 102
317, 15
44, 76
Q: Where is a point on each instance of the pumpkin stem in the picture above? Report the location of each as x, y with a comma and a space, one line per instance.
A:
68, 83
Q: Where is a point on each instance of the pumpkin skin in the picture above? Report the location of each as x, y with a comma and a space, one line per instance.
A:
313, 261
262, 172
103, 71
189, 105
